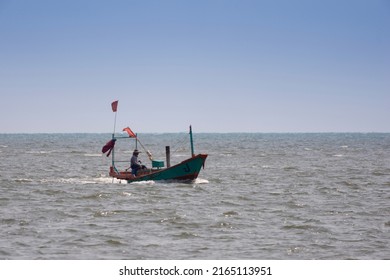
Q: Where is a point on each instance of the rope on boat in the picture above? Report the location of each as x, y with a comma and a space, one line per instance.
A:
180, 145
146, 151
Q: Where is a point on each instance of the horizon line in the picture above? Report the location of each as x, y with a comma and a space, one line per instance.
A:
209, 132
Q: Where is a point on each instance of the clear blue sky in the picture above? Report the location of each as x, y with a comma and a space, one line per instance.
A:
220, 65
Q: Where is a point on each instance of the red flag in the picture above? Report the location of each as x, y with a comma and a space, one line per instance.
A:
114, 106
130, 132
108, 147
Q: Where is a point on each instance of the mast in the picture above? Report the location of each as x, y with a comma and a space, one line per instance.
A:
113, 151
192, 142
114, 107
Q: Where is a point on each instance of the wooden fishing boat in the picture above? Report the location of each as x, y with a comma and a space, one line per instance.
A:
187, 170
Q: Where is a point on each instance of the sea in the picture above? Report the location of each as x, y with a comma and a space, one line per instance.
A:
277, 196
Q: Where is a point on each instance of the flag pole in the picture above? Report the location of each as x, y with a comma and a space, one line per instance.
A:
114, 124
114, 107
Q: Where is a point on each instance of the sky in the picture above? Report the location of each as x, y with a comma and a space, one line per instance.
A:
220, 65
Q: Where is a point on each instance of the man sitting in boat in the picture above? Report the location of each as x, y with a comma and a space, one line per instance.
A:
136, 164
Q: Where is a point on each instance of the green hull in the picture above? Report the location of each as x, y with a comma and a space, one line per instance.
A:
186, 170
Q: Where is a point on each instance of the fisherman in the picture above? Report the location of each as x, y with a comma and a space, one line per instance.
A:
136, 164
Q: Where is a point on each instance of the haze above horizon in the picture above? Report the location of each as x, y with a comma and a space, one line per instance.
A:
222, 66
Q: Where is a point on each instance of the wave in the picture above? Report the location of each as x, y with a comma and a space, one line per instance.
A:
72, 181
93, 155
148, 183
39, 152
23, 180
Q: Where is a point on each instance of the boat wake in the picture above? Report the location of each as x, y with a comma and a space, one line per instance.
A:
109, 180
143, 183
97, 180
91, 181
71, 181
200, 181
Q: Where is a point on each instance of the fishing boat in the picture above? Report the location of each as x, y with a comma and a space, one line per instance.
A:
187, 170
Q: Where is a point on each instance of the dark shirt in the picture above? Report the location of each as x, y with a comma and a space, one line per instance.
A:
134, 162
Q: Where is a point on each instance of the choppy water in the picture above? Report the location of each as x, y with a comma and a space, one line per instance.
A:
261, 196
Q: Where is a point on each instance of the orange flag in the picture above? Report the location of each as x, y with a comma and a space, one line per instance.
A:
114, 105
130, 132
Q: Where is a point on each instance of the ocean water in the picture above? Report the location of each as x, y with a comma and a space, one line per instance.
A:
260, 196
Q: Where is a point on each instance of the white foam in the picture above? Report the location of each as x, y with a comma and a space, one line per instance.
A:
93, 155
24, 180
76, 181
39, 152
85, 181
201, 181
149, 183
126, 194
109, 180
